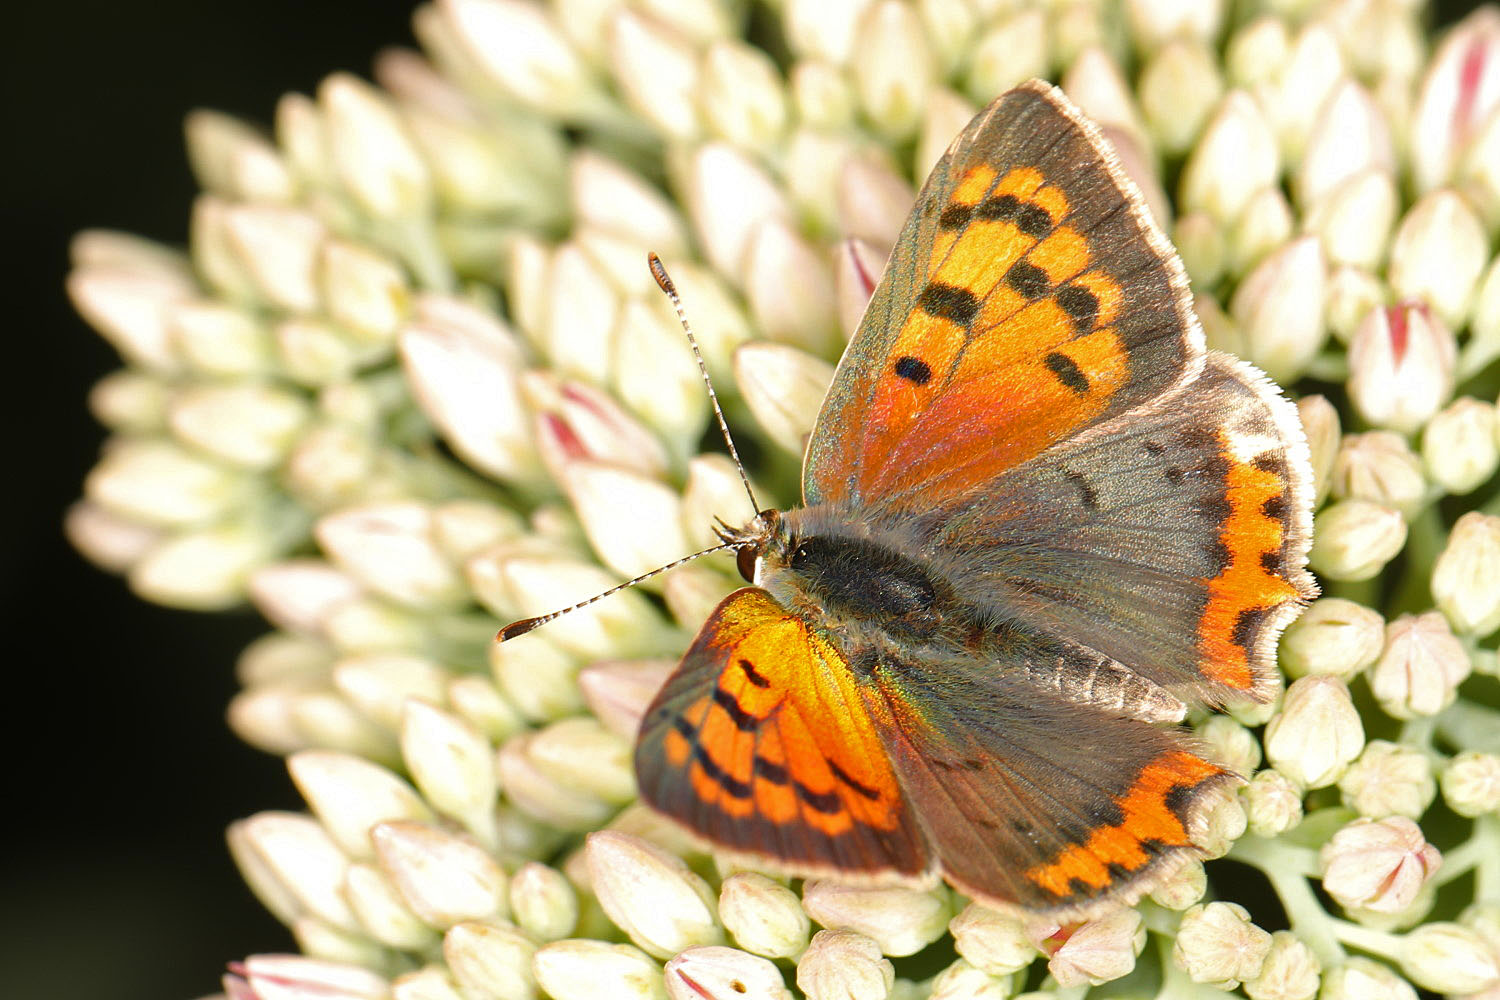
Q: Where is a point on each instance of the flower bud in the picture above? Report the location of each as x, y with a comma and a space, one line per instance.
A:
1354, 221
1099, 950
1471, 783
994, 942
1179, 87
1377, 865
764, 916
1334, 637
451, 763
790, 287
1457, 95
536, 676
350, 795
714, 972
490, 960
538, 792
1219, 946
633, 522
304, 860
1279, 306
1379, 467
784, 389
1449, 958
656, 66
157, 483
204, 570
901, 921
1438, 254
1230, 744
293, 977
1361, 978
1389, 780
443, 878
1320, 421
1354, 539
1466, 576
1353, 294
1350, 136
742, 97
575, 422
1010, 51
1235, 157
655, 376
857, 267
105, 539
1461, 445
432, 982
728, 197
895, 69
844, 965
382, 912
1273, 803
873, 199
1290, 971
278, 250
961, 981
1421, 668
574, 970
581, 755
1224, 822
388, 548
1316, 734
1264, 226
650, 894
1401, 366
543, 902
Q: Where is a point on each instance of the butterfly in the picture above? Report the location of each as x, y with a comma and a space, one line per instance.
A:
1039, 521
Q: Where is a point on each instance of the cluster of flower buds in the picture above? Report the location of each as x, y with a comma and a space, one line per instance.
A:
411, 379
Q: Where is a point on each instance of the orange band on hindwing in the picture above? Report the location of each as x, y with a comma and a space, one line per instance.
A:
1153, 816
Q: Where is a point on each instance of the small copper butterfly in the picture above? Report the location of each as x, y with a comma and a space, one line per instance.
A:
1039, 521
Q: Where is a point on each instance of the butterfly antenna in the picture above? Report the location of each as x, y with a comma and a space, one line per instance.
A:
665, 282
527, 624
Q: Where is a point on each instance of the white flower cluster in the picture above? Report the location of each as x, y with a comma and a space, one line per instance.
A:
411, 380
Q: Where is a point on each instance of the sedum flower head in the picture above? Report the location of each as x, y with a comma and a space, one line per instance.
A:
410, 379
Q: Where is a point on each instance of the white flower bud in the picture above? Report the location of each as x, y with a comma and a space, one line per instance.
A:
1421, 668
1320, 421
1354, 539
857, 268
790, 288
1218, 945
1389, 780
433, 982
580, 754
451, 763
714, 972
1235, 157
1354, 221
105, 539
1449, 958
1401, 366
1273, 803
656, 66
901, 921
1471, 783
350, 795
304, 860
1179, 86
962, 981
371, 151
204, 569
536, 676
1460, 89
383, 913
159, 484
1350, 136
844, 965
1377, 865
544, 903
443, 878
1353, 294
650, 894
1380, 467
1011, 50
1360, 978
574, 970
1230, 744
656, 376
764, 916
293, 977
247, 424
490, 960
1316, 734
1290, 971
1333, 636
784, 389
1466, 576
297, 594
1279, 306
1438, 254
538, 793
633, 522
220, 340
728, 197
895, 68
618, 691
1461, 445
996, 943
1099, 950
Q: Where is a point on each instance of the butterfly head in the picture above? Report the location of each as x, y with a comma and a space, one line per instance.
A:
751, 542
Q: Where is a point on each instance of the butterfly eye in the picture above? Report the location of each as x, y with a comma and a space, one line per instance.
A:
744, 558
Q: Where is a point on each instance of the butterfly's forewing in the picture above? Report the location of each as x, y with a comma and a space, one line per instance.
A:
1028, 297
1020, 811
1173, 541
760, 744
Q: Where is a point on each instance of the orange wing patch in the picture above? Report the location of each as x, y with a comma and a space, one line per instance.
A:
1252, 588
1011, 312
760, 743
1154, 815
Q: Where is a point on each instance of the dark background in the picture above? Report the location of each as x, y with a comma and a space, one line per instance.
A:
119, 773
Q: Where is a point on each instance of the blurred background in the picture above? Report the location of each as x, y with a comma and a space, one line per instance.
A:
121, 774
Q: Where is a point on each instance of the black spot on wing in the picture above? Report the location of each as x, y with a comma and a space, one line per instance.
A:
1028, 279
824, 802
743, 720
752, 675
1247, 625
853, 782
1081, 304
728, 782
913, 370
999, 208
956, 305
1086, 493
1275, 507
1067, 372
955, 216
